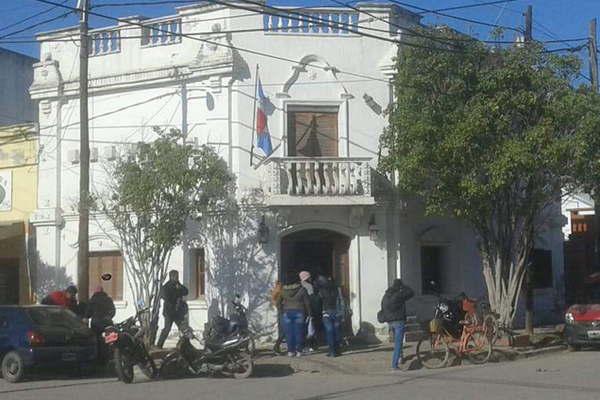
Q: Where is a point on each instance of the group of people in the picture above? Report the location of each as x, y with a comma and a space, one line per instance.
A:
99, 310
305, 307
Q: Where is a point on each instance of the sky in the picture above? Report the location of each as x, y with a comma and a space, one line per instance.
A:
552, 19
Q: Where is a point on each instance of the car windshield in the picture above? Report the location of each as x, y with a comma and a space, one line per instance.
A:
54, 317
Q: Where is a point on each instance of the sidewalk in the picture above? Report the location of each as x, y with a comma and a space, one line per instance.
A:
376, 359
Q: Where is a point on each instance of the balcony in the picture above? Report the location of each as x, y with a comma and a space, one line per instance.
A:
319, 181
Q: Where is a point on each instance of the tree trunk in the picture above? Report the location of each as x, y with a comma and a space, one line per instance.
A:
503, 280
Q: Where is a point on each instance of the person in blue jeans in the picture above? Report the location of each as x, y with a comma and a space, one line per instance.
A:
393, 310
333, 313
295, 307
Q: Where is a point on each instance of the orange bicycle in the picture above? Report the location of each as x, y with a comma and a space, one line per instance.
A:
474, 342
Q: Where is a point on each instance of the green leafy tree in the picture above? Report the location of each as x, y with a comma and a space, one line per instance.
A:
489, 136
148, 202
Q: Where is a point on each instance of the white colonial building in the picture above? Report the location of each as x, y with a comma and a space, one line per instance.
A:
325, 206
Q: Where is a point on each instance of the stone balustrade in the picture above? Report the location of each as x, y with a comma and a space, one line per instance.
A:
320, 177
312, 22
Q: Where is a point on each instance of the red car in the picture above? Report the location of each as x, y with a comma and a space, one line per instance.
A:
582, 321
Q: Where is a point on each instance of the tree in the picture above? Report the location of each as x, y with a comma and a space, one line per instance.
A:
149, 199
488, 136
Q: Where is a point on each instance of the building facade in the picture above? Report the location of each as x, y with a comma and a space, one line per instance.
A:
16, 106
316, 203
18, 200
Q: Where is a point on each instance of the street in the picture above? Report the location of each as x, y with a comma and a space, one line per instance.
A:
561, 375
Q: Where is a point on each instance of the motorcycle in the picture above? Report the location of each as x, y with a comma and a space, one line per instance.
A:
228, 349
125, 340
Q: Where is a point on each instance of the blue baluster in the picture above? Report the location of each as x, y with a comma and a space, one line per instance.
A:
295, 25
335, 22
305, 23
316, 23
325, 22
345, 19
266, 25
285, 23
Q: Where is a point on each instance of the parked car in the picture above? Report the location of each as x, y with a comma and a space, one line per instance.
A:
42, 336
582, 321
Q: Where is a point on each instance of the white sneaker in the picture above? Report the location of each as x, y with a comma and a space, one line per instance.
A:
290, 354
299, 354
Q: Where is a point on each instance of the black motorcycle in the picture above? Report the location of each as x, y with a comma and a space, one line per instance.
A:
228, 349
126, 342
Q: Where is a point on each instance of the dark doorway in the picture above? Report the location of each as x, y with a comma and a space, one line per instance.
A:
318, 251
431, 269
9, 281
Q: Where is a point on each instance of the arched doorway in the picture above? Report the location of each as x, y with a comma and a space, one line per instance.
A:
319, 251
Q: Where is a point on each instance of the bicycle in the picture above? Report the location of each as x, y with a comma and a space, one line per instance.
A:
475, 341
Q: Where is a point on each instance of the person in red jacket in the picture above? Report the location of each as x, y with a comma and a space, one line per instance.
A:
64, 298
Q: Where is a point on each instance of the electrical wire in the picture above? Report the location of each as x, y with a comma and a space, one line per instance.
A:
38, 24
490, 3
473, 21
31, 17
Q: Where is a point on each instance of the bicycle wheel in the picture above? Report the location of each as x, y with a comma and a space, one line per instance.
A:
479, 347
433, 351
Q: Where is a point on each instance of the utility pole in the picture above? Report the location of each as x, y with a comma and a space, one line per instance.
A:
84, 155
593, 48
528, 273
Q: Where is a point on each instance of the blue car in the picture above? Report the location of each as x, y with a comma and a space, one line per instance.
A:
42, 336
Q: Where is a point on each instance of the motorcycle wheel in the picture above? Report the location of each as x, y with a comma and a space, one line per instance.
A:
240, 365
123, 367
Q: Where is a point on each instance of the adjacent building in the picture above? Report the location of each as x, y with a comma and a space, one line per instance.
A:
16, 105
18, 200
316, 203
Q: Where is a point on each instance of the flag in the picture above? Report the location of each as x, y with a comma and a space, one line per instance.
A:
263, 137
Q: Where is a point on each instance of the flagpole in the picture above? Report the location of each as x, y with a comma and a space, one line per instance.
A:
254, 115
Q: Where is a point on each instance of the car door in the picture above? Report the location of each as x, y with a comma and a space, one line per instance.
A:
5, 336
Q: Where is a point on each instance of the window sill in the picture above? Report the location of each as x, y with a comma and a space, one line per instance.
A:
120, 304
197, 304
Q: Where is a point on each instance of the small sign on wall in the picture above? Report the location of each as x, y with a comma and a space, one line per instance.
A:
5, 190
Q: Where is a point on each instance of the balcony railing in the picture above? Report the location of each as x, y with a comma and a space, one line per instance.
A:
322, 180
162, 33
104, 42
318, 22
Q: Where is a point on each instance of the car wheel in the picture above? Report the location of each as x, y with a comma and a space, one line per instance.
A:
13, 368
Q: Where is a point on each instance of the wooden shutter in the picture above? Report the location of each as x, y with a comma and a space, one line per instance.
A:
107, 263
313, 132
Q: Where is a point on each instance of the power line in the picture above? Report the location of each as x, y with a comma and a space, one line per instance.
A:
30, 17
490, 3
38, 24
473, 21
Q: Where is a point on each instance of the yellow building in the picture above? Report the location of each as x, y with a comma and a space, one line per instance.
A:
18, 198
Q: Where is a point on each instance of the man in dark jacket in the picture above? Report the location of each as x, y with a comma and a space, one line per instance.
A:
100, 310
174, 307
332, 313
393, 308
295, 307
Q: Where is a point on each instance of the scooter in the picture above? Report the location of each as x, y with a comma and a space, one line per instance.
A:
228, 349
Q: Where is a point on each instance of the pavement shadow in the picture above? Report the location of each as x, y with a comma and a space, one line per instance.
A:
272, 370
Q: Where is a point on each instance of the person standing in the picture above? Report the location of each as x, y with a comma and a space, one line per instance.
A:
295, 307
333, 313
100, 310
174, 307
393, 310
313, 321
63, 298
